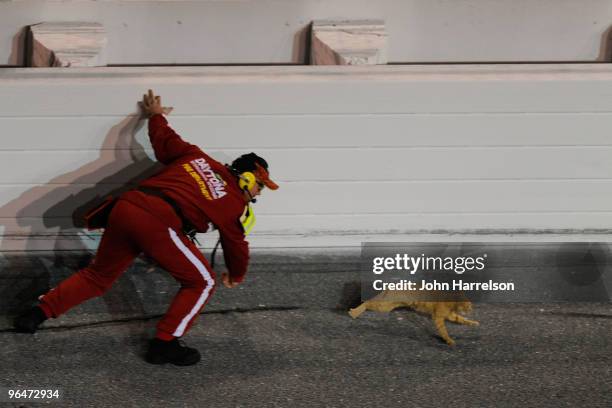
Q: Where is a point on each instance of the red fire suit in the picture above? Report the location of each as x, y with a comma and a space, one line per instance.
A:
206, 192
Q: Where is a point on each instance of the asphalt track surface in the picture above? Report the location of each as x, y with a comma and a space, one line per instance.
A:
522, 355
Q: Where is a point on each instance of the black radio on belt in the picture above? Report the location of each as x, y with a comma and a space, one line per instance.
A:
97, 217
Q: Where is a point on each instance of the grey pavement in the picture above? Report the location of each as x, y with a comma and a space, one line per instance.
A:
521, 355
284, 339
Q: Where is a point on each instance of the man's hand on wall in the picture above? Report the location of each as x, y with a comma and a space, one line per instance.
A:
151, 105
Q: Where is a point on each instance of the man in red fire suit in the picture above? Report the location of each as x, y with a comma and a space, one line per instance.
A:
190, 193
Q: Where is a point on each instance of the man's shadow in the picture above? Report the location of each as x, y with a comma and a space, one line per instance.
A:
49, 213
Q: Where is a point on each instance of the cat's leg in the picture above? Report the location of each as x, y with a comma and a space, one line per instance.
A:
356, 312
457, 318
439, 322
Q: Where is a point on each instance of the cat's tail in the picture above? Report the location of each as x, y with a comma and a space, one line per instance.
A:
356, 312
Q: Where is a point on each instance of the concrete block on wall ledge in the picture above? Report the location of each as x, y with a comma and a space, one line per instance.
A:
67, 44
348, 43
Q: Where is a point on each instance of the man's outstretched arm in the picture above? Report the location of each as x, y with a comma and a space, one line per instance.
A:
167, 144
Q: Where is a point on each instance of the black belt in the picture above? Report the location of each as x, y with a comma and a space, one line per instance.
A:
188, 228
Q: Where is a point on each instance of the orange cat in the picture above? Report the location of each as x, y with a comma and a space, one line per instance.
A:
440, 311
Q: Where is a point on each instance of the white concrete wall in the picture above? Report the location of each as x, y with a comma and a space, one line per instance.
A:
274, 31
360, 152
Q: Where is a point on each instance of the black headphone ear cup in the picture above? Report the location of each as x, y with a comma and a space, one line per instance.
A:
247, 180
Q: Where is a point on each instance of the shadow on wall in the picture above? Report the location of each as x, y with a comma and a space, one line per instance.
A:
301, 45
54, 214
605, 49
18, 48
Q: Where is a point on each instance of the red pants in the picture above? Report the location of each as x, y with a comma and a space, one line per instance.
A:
132, 230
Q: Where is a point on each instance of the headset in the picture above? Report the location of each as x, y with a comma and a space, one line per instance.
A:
247, 180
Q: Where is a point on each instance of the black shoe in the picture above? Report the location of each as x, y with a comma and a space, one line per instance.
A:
29, 321
173, 352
